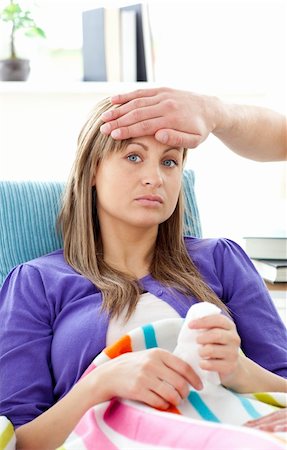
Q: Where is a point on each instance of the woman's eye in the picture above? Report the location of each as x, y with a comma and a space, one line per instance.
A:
134, 158
169, 162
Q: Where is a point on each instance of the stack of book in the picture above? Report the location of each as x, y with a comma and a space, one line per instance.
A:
269, 256
117, 44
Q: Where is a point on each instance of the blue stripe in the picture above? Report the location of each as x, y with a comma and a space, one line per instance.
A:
201, 407
149, 335
247, 405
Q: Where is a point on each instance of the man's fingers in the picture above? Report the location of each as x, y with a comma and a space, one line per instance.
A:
139, 93
178, 138
136, 116
133, 105
143, 128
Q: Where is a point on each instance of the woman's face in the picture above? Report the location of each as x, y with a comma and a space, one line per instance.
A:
139, 185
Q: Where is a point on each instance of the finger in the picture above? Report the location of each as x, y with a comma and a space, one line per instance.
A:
123, 98
213, 321
218, 336
184, 369
153, 399
280, 427
174, 379
215, 351
178, 138
270, 422
136, 116
144, 128
280, 415
222, 366
271, 426
167, 392
113, 114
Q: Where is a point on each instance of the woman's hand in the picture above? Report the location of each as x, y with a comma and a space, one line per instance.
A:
155, 377
176, 118
276, 421
219, 347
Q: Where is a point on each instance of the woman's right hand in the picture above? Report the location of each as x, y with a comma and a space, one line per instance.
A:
155, 377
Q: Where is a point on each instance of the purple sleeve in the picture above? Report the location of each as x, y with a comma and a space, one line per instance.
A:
25, 333
262, 332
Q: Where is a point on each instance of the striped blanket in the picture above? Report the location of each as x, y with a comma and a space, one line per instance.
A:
210, 419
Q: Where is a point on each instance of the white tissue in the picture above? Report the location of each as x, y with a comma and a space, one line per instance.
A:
187, 347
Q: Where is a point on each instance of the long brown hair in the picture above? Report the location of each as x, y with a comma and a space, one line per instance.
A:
83, 250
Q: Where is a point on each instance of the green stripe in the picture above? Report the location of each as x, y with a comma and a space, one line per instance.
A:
6, 436
267, 398
149, 335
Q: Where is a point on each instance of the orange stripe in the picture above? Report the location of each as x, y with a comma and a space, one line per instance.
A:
123, 345
171, 409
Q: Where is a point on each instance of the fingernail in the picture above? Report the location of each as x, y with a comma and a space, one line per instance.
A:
199, 386
115, 99
115, 134
162, 136
106, 128
107, 115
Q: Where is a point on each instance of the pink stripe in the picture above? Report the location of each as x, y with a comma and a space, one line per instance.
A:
91, 434
162, 429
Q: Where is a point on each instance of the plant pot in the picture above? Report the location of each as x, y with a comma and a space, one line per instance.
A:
14, 69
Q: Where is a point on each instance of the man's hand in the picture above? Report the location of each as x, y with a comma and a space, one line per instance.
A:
176, 118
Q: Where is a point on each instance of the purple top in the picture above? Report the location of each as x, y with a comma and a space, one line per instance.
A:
51, 326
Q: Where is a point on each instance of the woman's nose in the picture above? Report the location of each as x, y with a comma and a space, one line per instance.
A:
152, 176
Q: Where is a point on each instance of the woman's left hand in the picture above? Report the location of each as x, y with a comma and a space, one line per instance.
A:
219, 346
276, 421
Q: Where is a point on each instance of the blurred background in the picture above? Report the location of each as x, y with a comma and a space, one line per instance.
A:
235, 49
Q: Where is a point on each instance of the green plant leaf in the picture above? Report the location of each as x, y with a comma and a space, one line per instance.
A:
10, 12
35, 32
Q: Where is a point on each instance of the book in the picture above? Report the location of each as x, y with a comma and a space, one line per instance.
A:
94, 52
113, 44
144, 42
128, 45
266, 247
273, 270
117, 44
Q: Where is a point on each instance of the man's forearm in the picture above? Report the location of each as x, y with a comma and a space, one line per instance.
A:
252, 132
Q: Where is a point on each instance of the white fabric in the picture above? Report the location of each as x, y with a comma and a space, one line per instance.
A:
187, 347
149, 309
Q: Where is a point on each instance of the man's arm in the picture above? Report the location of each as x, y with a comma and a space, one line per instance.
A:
183, 118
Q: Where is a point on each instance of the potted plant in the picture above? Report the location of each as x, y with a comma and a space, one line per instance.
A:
14, 68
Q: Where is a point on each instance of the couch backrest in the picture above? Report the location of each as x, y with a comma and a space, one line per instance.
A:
28, 212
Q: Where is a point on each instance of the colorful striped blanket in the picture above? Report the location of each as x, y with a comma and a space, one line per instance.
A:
210, 419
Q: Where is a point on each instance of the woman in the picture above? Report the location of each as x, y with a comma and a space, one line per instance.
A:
126, 263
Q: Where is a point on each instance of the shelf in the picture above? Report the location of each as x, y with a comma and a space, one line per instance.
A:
61, 87
88, 87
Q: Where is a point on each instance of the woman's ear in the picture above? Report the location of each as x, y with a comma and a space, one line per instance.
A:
94, 176
93, 179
